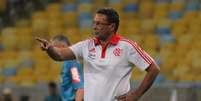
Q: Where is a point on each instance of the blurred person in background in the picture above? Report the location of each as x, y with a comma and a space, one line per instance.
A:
7, 94
24, 98
72, 81
53, 92
108, 61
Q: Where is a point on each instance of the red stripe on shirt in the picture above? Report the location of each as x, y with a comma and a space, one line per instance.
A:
140, 51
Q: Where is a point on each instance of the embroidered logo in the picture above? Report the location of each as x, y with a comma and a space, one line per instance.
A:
117, 52
92, 50
92, 53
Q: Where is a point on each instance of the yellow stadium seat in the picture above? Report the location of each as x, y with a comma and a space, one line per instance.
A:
39, 15
25, 71
117, 6
185, 40
3, 5
130, 1
12, 79
27, 81
190, 15
56, 24
56, 71
56, 30
177, 6
179, 28
70, 19
181, 72
130, 15
23, 23
54, 11
167, 50
161, 10
24, 55
85, 7
85, 33
137, 75
40, 27
164, 22
9, 39
41, 70
196, 65
45, 78
146, 9
73, 34
133, 26
2, 79
69, 1
151, 42
194, 26
98, 4
54, 7
38, 54
43, 63
148, 26
11, 63
55, 65
199, 15
25, 38
196, 42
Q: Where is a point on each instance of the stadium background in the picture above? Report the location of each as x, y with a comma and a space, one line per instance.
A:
169, 30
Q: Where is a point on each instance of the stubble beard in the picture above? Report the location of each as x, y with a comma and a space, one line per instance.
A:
100, 36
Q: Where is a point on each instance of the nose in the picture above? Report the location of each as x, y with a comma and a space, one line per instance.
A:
94, 26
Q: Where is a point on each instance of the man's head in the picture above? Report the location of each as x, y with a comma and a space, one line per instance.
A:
105, 23
52, 86
60, 41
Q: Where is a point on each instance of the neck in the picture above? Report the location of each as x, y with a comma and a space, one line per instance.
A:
104, 42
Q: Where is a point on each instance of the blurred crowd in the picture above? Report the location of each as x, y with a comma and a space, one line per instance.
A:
12, 10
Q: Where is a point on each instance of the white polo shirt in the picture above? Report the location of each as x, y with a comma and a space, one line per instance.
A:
107, 70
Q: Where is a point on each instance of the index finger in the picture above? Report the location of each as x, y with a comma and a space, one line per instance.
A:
40, 39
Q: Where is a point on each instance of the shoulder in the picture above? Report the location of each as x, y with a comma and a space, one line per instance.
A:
77, 63
128, 42
84, 43
89, 40
68, 63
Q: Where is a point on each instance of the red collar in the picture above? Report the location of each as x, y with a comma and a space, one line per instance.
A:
114, 40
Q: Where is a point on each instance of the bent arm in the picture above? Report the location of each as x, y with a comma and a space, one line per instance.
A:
60, 54
152, 72
134, 95
79, 95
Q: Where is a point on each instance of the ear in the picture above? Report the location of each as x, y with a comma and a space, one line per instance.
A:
112, 26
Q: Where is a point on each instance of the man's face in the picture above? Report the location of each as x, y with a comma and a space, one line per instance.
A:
102, 29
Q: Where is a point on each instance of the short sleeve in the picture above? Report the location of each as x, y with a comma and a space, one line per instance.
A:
77, 49
137, 56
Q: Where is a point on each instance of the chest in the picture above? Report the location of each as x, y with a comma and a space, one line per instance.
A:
108, 56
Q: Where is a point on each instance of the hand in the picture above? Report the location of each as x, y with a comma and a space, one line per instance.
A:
130, 96
44, 44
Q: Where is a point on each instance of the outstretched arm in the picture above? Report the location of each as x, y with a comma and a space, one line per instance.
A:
134, 95
58, 54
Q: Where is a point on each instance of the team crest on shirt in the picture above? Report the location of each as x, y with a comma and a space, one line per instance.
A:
92, 53
117, 51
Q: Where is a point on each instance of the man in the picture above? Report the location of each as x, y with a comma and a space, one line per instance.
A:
53, 92
107, 61
72, 86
